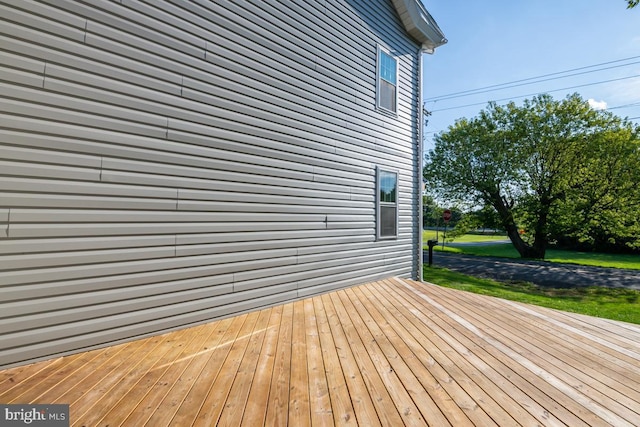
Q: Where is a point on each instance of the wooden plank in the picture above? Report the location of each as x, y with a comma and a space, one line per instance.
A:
213, 402
129, 394
570, 348
372, 403
46, 380
602, 341
258, 399
480, 360
595, 342
341, 405
319, 400
489, 400
562, 363
169, 392
423, 344
506, 364
101, 390
440, 402
571, 353
299, 399
278, 407
11, 378
83, 387
368, 352
237, 399
354, 357
50, 384
546, 404
566, 363
399, 362
629, 332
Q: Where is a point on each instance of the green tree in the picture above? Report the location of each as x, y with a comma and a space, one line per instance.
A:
532, 161
488, 218
431, 212
602, 210
467, 223
632, 3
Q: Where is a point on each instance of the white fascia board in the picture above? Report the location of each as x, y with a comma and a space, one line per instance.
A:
420, 24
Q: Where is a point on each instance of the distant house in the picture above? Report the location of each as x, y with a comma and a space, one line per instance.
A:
167, 163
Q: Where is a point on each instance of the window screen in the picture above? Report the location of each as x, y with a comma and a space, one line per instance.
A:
387, 81
387, 208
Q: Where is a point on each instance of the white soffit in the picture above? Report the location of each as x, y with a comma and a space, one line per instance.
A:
420, 24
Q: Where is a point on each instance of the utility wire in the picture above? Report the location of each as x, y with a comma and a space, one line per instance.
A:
608, 108
635, 104
477, 91
534, 78
537, 93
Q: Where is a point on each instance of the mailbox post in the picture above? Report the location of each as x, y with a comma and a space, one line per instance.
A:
431, 244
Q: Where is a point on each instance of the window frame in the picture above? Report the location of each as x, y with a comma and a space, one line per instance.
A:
381, 50
379, 203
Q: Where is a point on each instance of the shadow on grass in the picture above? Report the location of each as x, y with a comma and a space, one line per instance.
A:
594, 259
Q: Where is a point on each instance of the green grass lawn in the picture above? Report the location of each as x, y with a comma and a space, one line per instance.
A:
506, 250
431, 235
610, 303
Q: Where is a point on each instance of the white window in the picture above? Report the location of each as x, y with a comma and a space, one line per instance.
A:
387, 204
387, 91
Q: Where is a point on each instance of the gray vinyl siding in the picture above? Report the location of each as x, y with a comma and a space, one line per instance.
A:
167, 163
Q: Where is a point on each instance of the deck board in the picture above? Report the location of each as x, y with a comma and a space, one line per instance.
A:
299, 401
392, 352
278, 402
258, 399
363, 387
342, 407
319, 400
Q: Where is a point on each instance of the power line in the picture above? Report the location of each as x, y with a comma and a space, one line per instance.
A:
477, 91
435, 98
635, 104
538, 93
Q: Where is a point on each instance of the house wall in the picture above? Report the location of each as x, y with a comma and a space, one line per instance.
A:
166, 163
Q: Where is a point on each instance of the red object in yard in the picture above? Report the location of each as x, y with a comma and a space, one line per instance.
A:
446, 215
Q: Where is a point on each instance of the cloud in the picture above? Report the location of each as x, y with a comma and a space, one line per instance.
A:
625, 91
597, 105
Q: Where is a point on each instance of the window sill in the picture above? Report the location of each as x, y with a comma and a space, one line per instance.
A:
388, 113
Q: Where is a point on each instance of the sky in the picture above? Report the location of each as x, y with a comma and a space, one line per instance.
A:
500, 41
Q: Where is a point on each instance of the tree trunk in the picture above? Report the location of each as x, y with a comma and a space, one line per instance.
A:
540, 233
524, 249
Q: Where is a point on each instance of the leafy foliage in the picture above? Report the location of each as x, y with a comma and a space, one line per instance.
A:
560, 170
432, 213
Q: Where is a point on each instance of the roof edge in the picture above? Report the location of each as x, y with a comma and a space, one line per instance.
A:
420, 24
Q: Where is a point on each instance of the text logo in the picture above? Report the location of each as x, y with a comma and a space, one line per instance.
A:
34, 415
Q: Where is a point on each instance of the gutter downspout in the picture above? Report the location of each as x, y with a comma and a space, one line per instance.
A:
420, 147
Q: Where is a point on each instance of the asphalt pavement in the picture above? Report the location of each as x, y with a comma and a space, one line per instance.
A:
542, 273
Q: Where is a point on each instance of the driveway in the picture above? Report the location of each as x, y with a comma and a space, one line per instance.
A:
539, 272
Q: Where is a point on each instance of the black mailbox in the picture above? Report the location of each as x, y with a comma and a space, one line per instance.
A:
431, 244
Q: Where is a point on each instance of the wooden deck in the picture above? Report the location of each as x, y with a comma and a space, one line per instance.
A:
392, 353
